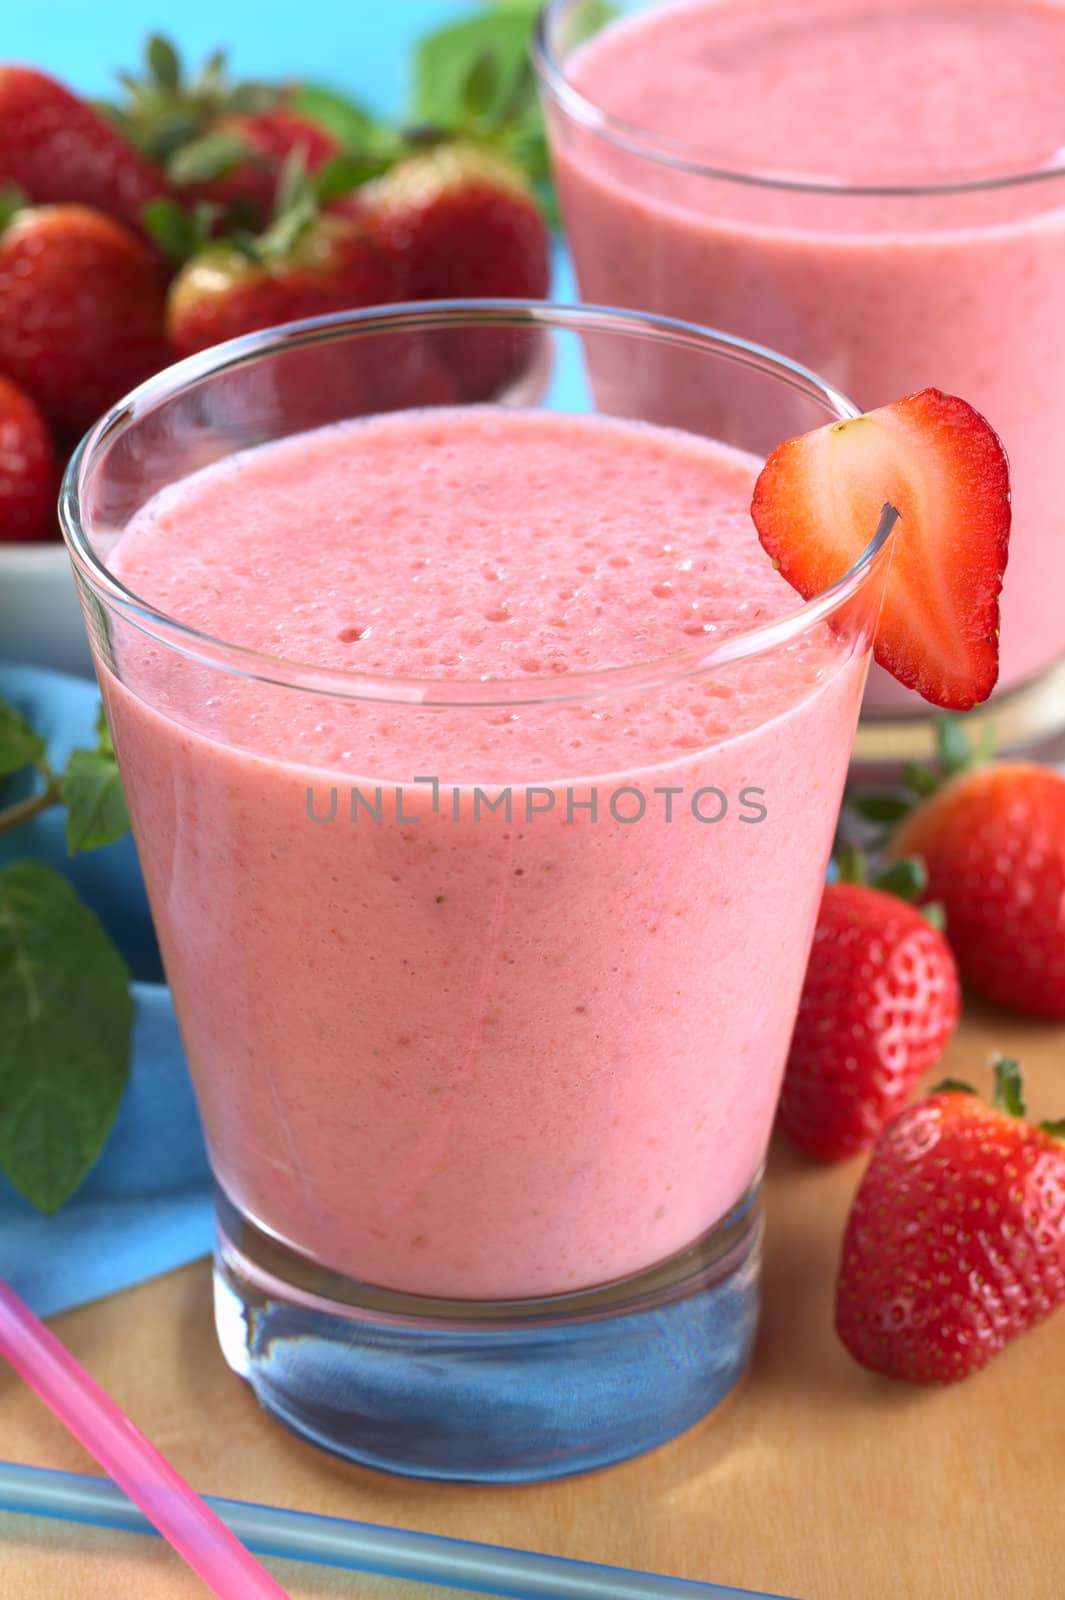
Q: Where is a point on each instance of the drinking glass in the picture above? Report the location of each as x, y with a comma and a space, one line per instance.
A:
487, 1051
884, 288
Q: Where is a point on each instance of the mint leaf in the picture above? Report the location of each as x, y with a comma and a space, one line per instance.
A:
91, 790
65, 1039
102, 728
445, 60
19, 745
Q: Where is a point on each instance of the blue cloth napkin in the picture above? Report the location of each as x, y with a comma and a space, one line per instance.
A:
146, 1206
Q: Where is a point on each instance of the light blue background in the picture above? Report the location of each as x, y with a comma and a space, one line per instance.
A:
363, 45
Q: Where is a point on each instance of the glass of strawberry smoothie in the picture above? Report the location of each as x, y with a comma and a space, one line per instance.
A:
876, 187
483, 772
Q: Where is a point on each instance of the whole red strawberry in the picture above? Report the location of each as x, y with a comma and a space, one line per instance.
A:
879, 1003
218, 140
955, 1243
54, 147
250, 149
463, 223
305, 266
993, 841
81, 311
28, 469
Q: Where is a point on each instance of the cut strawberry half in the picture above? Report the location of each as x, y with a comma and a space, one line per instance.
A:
819, 499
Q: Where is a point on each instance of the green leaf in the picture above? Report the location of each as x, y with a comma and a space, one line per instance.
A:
104, 742
481, 85
341, 174
952, 744
173, 228
1009, 1087
20, 746
881, 805
65, 1034
350, 123
906, 878
12, 199
213, 156
91, 790
851, 864
920, 779
444, 60
164, 63
934, 913
952, 1086
1055, 1129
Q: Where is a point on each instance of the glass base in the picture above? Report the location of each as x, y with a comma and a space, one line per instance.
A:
1029, 720
491, 1392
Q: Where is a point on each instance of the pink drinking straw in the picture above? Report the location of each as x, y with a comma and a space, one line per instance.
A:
197, 1535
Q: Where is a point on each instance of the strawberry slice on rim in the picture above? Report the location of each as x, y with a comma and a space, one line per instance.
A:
934, 458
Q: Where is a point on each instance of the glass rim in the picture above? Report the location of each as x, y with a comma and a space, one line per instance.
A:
348, 683
641, 141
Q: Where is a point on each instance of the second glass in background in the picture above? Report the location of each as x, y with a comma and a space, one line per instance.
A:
827, 218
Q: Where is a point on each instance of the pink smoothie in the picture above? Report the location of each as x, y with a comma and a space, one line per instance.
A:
881, 294
448, 1051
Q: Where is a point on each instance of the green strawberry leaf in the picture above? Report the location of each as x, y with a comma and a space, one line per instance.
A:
921, 780
952, 1086
881, 805
12, 199
851, 865
20, 746
1056, 1129
65, 1042
213, 156
906, 878
91, 790
173, 228
952, 745
934, 913
1009, 1087
164, 63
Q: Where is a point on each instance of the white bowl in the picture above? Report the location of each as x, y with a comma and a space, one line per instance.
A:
40, 618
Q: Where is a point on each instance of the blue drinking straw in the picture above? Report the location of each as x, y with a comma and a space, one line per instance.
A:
360, 1546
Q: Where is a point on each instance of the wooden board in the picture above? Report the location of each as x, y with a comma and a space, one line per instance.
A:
816, 1480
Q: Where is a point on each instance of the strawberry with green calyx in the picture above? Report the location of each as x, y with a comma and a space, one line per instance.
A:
29, 473
879, 1004
931, 456
82, 302
218, 141
955, 1243
307, 263
992, 836
55, 148
883, 809
993, 840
